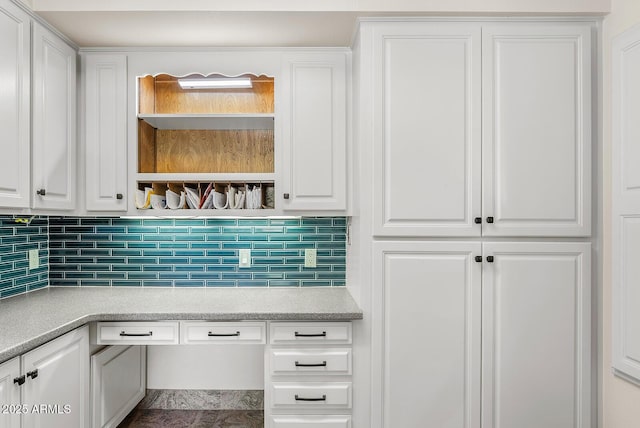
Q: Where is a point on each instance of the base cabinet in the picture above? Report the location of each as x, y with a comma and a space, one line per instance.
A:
482, 334
9, 393
118, 383
311, 421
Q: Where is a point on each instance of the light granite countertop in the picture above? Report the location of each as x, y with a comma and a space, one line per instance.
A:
31, 319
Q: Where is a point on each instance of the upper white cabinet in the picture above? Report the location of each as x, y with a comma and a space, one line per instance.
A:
536, 129
536, 330
15, 69
426, 128
105, 132
625, 243
54, 122
443, 94
314, 140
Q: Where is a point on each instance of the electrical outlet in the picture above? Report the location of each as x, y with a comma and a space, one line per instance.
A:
34, 259
245, 258
310, 258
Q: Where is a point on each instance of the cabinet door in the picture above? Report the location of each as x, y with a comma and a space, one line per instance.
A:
625, 245
427, 300
426, 101
15, 69
9, 394
54, 121
61, 388
536, 129
314, 149
106, 132
536, 335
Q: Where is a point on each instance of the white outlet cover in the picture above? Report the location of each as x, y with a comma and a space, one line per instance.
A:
310, 257
34, 259
244, 257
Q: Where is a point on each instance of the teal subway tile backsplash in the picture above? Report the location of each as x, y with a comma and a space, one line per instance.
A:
194, 252
16, 239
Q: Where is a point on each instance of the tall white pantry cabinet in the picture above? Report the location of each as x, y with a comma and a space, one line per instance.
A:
474, 142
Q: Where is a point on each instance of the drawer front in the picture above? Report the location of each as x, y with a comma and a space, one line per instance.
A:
137, 333
202, 332
341, 421
333, 333
311, 361
311, 395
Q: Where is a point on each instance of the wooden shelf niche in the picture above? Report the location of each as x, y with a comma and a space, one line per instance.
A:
205, 130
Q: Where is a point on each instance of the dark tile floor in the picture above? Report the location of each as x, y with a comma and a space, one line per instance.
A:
158, 418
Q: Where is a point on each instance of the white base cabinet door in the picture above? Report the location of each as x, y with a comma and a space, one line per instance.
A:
536, 129
10, 394
54, 121
427, 298
105, 79
118, 383
57, 387
314, 150
536, 335
15, 113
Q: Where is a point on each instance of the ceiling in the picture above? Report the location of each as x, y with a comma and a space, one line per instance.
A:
257, 23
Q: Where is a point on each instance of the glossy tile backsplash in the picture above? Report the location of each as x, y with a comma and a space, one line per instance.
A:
16, 239
195, 252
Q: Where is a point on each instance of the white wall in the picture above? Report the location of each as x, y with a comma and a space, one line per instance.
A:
621, 399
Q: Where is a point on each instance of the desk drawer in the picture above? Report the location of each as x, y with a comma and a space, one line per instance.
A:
208, 332
310, 361
333, 333
311, 395
308, 421
137, 333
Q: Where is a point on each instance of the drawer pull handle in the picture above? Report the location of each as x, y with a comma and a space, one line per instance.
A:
123, 334
322, 364
19, 380
324, 398
323, 334
33, 374
210, 334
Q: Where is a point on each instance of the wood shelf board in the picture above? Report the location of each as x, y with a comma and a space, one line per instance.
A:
240, 121
195, 178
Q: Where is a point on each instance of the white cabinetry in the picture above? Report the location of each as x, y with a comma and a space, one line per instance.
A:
54, 121
426, 353
536, 365
626, 205
308, 367
314, 143
536, 129
105, 79
425, 94
118, 383
10, 393
427, 121
15, 69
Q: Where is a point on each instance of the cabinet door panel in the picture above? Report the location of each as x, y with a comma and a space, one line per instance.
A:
54, 121
315, 134
15, 48
536, 335
537, 129
426, 130
9, 393
427, 301
62, 382
626, 205
106, 132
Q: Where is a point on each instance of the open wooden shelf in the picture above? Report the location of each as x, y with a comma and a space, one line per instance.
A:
244, 121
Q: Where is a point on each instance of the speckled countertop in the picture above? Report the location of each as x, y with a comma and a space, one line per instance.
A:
32, 319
